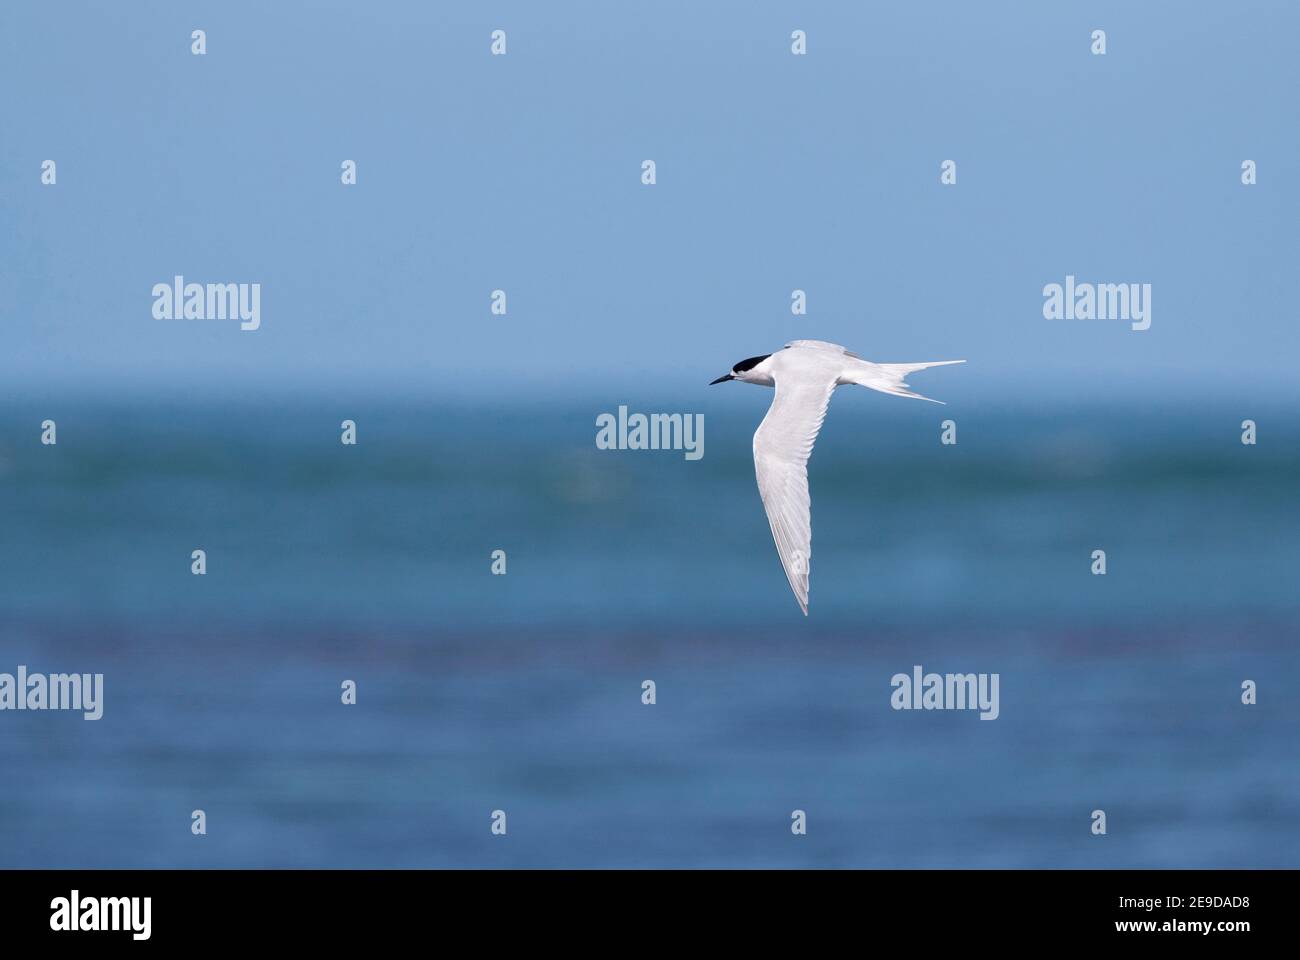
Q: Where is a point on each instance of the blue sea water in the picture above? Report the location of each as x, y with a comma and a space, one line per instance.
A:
523, 692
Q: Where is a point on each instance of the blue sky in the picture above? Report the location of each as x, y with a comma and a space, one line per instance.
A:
522, 172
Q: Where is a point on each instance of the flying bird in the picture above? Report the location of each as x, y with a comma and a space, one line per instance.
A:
805, 374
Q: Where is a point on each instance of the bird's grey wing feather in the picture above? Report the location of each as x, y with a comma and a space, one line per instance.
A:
782, 445
822, 345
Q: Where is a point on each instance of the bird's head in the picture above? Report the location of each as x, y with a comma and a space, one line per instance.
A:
751, 370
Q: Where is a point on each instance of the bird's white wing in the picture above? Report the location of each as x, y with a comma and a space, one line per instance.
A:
821, 345
782, 445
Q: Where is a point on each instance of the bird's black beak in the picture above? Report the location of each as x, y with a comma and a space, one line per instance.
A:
723, 379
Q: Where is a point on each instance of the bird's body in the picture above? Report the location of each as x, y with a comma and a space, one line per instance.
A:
805, 375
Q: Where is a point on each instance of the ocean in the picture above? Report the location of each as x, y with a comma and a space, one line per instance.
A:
523, 692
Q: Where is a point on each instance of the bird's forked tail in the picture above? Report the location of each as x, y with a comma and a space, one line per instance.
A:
889, 377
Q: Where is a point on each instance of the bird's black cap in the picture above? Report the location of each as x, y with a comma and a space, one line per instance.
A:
741, 367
